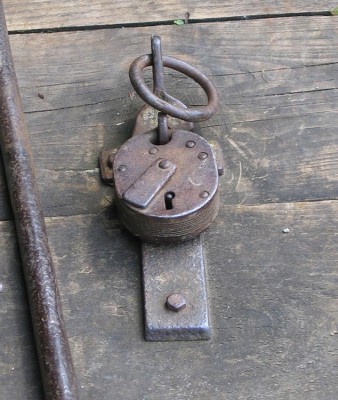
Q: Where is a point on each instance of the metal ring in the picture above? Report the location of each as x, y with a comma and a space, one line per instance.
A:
193, 114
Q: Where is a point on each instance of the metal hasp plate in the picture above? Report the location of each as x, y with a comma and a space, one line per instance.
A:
175, 271
166, 193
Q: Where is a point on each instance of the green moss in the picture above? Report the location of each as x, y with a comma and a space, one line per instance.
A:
334, 11
179, 22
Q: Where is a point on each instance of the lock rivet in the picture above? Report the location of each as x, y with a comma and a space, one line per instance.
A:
122, 168
190, 144
153, 150
203, 155
204, 194
164, 164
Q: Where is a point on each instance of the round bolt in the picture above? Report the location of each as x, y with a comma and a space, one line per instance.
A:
190, 144
176, 302
110, 161
153, 150
122, 168
204, 194
202, 155
164, 164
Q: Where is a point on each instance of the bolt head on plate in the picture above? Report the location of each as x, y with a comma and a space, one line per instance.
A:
176, 302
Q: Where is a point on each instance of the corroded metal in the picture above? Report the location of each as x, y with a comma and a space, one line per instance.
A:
200, 113
166, 185
142, 192
176, 302
157, 62
194, 185
175, 269
149, 118
50, 336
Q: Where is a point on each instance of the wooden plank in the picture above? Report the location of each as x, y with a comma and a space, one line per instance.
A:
276, 123
273, 295
44, 14
19, 373
65, 193
273, 303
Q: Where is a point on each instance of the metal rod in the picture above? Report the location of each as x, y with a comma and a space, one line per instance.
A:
158, 79
158, 72
163, 131
51, 341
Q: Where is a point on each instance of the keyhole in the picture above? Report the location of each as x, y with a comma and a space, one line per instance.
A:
168, 199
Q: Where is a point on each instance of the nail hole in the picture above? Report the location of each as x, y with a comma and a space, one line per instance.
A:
168, 199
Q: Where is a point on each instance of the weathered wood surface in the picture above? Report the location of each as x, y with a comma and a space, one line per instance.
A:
277, 120
273, 295
273, 302
44, 14
19, 374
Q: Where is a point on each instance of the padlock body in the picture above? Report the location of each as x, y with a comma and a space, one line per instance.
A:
166, 192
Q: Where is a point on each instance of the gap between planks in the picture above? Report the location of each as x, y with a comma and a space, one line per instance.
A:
167, 22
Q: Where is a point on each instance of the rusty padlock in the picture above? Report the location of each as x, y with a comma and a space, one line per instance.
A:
166, 184
166, 179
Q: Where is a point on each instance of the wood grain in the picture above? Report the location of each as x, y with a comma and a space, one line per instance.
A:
273, 297
44, 14
276, 123
19, 372
273, 303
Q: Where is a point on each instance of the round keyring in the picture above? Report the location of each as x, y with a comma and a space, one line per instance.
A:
194, 114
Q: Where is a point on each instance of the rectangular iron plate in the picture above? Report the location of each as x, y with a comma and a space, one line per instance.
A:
175, 268
141, 192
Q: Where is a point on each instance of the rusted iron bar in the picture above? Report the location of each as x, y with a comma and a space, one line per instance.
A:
51, 341
158, 71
